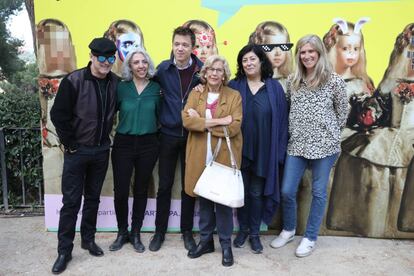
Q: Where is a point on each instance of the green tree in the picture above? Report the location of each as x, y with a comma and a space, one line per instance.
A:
22, 81
19, 114
9, 46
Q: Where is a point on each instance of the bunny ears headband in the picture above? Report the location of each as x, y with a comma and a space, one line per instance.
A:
344, 26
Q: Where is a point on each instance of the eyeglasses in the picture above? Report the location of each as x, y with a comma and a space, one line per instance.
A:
102, 59
283, 46
219, 71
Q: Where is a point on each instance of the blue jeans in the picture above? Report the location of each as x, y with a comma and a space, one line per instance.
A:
294, 169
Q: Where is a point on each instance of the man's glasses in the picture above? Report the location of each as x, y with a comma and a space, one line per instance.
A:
284, 47
102, 59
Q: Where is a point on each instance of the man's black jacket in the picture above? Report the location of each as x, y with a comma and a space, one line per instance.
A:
78, 113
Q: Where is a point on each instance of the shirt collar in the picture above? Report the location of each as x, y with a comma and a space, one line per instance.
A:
190, 62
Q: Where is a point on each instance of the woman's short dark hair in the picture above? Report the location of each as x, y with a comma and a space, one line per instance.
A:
185, 31
266, 70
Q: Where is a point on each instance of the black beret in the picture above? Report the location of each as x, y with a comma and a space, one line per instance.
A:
102, 46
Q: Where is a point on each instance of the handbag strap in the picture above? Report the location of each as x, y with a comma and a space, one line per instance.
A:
232, 159
216, 150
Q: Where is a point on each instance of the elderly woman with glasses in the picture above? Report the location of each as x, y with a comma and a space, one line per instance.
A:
205, 115
135, 144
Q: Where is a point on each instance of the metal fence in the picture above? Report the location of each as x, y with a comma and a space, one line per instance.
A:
21, 167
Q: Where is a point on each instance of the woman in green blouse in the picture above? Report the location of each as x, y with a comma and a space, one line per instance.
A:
135, 144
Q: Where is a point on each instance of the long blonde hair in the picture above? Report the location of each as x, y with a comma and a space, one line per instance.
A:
330, 40
272, 28
323, 67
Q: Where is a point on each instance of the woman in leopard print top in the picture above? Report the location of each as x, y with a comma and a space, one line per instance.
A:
316, 117
318, 112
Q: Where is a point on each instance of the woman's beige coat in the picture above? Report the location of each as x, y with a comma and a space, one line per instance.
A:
229, 103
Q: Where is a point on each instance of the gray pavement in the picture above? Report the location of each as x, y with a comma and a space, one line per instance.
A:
27, 249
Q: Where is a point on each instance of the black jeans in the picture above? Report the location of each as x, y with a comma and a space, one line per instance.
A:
171, 148
129, 153
83, 173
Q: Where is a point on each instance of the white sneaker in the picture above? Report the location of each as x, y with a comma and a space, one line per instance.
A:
283, 238
305, 248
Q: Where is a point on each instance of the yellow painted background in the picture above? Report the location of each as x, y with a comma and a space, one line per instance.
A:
87, 19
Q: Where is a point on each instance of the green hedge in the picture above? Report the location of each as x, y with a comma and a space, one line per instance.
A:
20, 119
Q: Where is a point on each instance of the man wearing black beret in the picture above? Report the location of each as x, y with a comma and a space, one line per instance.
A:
83, 114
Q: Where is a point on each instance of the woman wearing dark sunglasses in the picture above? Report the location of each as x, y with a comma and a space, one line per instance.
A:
135, 144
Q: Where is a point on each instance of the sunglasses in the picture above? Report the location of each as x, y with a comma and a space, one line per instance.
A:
284, 47
102, 59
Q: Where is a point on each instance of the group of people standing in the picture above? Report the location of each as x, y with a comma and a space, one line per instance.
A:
178, 111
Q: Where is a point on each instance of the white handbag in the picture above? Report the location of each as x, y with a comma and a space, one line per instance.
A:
220, 183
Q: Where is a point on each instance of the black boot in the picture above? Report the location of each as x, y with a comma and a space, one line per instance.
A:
201, 249
136, 242
227, 259
93, 248
188, 239
121, 239
60, 264
156, 241
255, 244
240, 239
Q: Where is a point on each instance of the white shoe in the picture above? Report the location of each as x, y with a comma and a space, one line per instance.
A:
283, 238
305, 248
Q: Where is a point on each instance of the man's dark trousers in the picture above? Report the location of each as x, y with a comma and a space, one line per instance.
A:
172, 148
83, 173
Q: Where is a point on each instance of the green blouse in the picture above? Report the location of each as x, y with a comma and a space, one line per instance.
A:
138, 113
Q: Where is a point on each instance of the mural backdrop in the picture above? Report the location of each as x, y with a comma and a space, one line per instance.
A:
370, 44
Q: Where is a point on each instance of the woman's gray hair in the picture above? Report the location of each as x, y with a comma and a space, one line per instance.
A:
209, 62
126, 67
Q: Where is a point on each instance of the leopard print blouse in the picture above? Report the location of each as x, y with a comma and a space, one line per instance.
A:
316, 118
